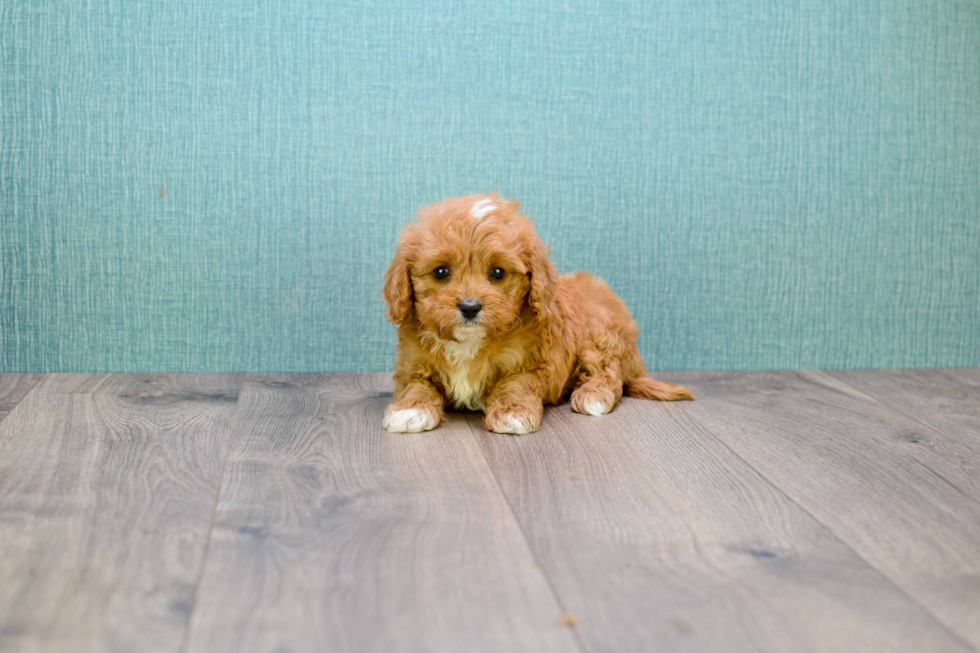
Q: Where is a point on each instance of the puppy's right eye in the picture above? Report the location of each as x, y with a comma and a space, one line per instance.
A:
441, 272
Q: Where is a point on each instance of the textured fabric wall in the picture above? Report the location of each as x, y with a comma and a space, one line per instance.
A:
218, 185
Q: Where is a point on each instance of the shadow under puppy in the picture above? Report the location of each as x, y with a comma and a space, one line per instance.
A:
486, 323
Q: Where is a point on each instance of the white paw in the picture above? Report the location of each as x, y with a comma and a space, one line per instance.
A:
595, 408
409, 420
514, 425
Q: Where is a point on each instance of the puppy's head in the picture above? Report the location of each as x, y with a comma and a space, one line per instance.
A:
470, 265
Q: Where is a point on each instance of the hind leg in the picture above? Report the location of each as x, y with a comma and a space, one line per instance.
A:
601, 389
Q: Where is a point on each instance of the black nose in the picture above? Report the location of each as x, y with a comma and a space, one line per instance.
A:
469, 308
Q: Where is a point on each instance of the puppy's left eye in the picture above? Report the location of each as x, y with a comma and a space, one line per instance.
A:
497, 274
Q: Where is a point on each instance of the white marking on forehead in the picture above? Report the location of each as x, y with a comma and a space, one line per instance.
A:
482, 208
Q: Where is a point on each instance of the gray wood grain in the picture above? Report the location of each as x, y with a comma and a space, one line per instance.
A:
873, 476
967, 376
107, 487
333, 535
13, 388
652, 531
934, 399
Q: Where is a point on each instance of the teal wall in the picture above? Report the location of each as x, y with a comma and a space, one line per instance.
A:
767, 183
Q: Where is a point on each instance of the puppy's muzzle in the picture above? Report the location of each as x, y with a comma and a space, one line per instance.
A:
469, 308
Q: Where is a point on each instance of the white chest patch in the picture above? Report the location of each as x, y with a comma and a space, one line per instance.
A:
459, 353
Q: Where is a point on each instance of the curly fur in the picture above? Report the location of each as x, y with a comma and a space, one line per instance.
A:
538, 339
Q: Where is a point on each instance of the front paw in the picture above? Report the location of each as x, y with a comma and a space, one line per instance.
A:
513, 422
410, 420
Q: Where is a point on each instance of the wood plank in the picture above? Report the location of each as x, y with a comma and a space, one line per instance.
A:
968, 376
932, 398
333, 535
885, 484
13, 388
107, 487
651, 530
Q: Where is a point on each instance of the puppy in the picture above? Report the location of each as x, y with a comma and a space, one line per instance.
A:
485, 323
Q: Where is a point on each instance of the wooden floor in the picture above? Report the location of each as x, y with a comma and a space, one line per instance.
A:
781, 511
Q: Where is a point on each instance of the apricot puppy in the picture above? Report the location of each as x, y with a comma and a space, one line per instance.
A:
485, 323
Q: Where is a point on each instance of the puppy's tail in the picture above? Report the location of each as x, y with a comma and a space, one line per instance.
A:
644, 387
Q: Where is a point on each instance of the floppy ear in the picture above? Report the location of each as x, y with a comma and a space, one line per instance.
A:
544, 277
398, 285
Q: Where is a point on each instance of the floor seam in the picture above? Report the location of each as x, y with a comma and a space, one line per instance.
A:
527, 542
214, 512
900, 411
930, 427
29, 392
939, 622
